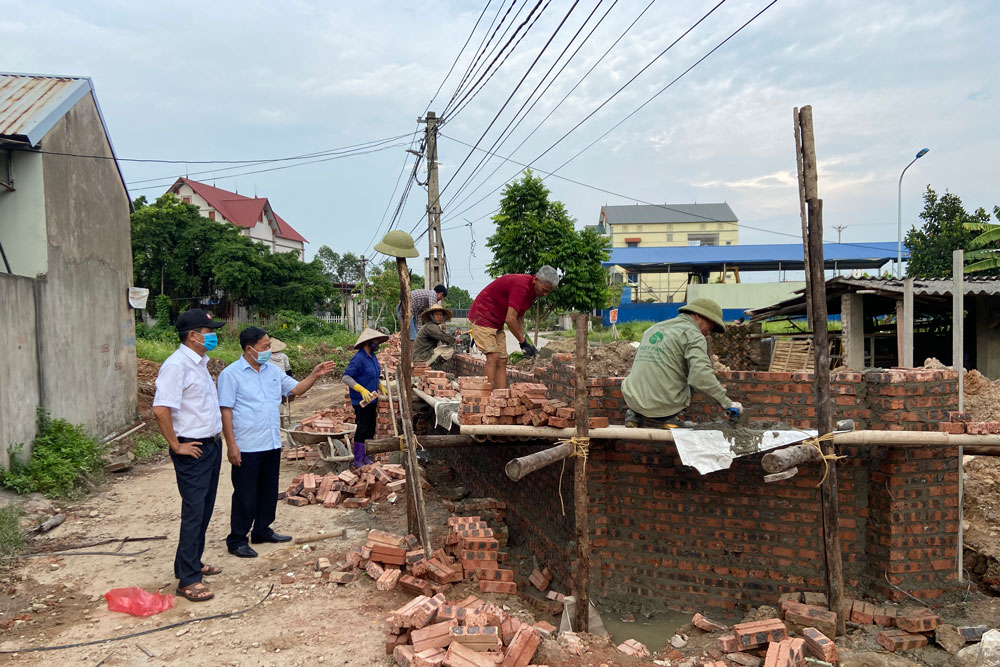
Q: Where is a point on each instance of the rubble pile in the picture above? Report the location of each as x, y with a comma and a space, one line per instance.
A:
803, 633
524, 403
350, 489
389, 354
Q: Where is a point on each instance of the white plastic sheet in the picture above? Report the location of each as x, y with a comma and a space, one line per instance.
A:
707, 451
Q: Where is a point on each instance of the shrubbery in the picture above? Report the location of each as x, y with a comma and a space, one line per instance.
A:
64, 458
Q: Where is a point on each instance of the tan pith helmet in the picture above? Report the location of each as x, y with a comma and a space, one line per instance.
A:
397, 243
436, 308
369, 335
708, 309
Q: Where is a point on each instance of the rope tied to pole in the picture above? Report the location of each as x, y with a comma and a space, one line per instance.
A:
402, 443
826, 458
581, 447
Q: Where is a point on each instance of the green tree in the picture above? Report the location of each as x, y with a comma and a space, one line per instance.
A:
943, 231
185, 256
382, 293
985, 254
458, 297
532, 230
344, 269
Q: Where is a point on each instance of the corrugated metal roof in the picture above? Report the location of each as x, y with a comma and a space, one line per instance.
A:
653, 213
985, 286
31, 104
763, 257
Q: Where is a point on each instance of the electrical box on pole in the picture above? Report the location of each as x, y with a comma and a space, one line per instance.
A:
434, 264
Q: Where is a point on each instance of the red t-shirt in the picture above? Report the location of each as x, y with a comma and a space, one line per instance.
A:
515, 290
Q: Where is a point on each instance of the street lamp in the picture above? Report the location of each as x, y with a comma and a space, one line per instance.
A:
899, 213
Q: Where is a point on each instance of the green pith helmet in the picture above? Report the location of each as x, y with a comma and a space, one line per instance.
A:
708, 309
397, 243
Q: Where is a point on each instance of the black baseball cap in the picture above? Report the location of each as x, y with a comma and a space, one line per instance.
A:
197, 318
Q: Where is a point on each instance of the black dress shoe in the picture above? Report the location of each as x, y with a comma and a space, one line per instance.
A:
273, 537
243, 551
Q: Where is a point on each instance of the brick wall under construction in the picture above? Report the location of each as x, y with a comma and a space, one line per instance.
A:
663, 535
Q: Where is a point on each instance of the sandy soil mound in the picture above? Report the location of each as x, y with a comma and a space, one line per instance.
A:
609, 360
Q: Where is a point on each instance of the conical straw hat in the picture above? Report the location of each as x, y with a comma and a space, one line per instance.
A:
370, 335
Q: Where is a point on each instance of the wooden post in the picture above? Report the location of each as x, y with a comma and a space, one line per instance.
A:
416, 515
800, 170
821, 351
516, 469
581, 499
958, 363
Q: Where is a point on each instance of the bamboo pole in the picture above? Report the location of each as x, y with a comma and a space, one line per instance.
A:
416, 514
383, 445
518, 468
958, 363
581, 498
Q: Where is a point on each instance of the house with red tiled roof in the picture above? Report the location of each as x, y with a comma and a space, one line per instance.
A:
253, 215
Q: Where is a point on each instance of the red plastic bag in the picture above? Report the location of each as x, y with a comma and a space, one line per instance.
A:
137, 602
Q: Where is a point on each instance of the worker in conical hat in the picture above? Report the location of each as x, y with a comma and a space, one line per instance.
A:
671, 360
362, 379
434, 344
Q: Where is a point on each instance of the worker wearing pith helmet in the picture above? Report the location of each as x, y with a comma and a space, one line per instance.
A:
671, 360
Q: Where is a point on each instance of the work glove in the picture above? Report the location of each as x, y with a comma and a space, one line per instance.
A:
735, 410
529, 349
366, 395
382, 389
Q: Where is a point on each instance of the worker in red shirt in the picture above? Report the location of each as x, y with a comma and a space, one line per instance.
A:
504, 301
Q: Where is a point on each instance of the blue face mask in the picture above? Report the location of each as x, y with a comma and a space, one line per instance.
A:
210, 341
263, 357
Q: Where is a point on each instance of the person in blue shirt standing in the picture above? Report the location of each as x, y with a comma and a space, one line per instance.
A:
250, 391
362, 378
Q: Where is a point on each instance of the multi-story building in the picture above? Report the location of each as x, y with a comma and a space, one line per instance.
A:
253, 215
654, 225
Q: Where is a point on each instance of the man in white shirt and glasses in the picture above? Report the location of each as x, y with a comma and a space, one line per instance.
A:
186, 407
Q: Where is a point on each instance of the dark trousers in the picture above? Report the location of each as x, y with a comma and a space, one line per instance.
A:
255, 496
365, 419
197, 481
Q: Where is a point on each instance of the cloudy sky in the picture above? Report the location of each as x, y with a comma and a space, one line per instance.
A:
200, 81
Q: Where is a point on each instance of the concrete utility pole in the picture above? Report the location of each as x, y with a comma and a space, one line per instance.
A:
840, 229
364, 305
434, 265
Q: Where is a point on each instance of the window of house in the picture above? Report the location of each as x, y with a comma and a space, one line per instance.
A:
211, 215
186, 200
633, 278
670, 238
729, 243
631, 244
703, 239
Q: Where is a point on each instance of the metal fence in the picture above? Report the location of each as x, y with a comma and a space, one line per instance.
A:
268, 323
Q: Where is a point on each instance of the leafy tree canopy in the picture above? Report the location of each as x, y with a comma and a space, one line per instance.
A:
185, 256
532, 230
985, 256
943, 231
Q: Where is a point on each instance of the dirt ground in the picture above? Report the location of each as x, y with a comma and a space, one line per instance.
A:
59, 599
608, 360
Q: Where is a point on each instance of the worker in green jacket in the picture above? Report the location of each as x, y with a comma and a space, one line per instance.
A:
671, 360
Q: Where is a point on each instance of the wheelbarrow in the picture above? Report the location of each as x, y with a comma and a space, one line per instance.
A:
334, 448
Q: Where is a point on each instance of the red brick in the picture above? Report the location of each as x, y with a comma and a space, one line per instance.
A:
296, 501
463, 656
977, 428
804, 615
885, 616
758, 633
951, 427
503, 587
545, 629
727, 644
786, 653
522, 647
863, 613
495, 575
437, 635
819, 645
918, 621
705, 624
895, 640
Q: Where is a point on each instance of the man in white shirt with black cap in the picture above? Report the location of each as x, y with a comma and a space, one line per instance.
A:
186, 407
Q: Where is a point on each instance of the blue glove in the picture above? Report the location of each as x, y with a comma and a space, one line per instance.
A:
734, 411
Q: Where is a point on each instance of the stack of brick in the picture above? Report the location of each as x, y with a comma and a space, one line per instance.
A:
331, 420
350, 489
961, 422
389, 353
471, 540
431, 631
435, 383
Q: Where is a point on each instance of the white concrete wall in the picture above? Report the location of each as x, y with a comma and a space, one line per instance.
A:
22, 216
744, 295
287, 245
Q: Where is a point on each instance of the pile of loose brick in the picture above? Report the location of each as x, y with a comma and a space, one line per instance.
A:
330, 420
524, 403
389, 353
807, 615
430, 630
350, 489
961, 422
434, 383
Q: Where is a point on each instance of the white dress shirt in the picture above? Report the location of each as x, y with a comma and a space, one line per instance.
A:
185, 386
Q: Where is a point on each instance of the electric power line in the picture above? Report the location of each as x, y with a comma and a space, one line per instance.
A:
458, 57
480, 51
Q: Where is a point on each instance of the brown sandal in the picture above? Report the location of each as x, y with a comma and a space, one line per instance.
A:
196, 592
209, 570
